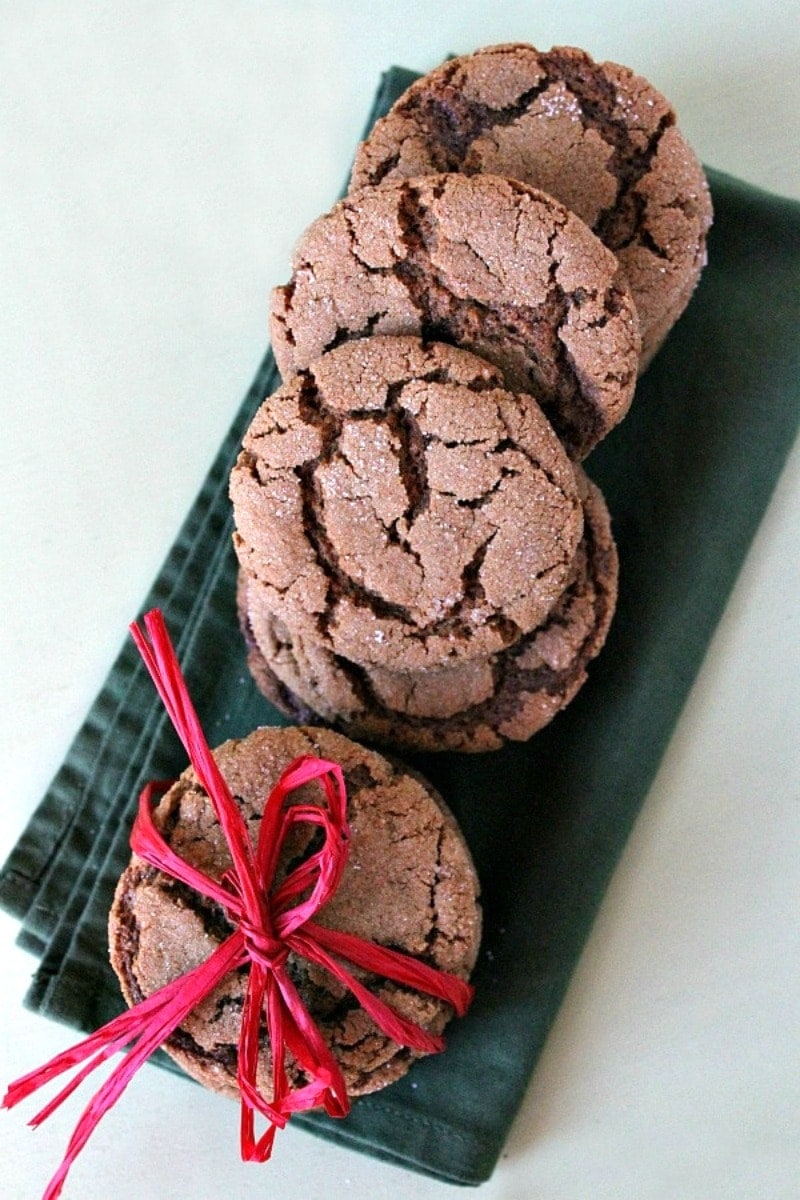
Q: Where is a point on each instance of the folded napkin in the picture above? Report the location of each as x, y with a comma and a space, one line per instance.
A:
687, 477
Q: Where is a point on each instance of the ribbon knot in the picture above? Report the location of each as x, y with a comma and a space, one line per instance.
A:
270, 952
271, 921
260, 941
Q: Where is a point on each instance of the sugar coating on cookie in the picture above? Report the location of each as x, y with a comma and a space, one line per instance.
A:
597, 136
409, 883
401, 507
467, 706
486, 263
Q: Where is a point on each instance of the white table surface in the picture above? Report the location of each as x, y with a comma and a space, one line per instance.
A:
158, 161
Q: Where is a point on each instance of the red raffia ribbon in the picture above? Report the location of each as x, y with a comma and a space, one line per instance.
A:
270, 923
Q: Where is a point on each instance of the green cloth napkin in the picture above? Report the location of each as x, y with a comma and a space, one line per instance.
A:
687, 477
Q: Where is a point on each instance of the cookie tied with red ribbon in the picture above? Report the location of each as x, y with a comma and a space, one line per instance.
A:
408, 883
297, 924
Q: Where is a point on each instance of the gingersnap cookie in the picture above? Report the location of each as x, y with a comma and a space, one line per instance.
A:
486, 263
469, 706
595, 135
402, 509
409, 884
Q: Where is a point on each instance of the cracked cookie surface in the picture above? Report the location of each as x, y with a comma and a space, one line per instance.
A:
486, 263
409, 883
595, 135
473, 706
401, 508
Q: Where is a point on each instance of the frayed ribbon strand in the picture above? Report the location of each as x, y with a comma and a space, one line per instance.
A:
269, 924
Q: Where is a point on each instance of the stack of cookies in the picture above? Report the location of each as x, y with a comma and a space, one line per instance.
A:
424, 562
421, 562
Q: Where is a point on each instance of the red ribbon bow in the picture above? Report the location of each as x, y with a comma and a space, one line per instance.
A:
269, 925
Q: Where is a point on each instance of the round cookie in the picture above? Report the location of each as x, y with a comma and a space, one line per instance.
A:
595, 135
402, 509
409, 883
473, 706
486, 263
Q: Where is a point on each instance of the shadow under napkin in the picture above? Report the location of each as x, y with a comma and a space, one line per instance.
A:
687, 477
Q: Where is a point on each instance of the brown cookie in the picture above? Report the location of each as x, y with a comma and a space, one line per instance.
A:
409, 884
478, 261
470, 706
596, 136
402, 509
